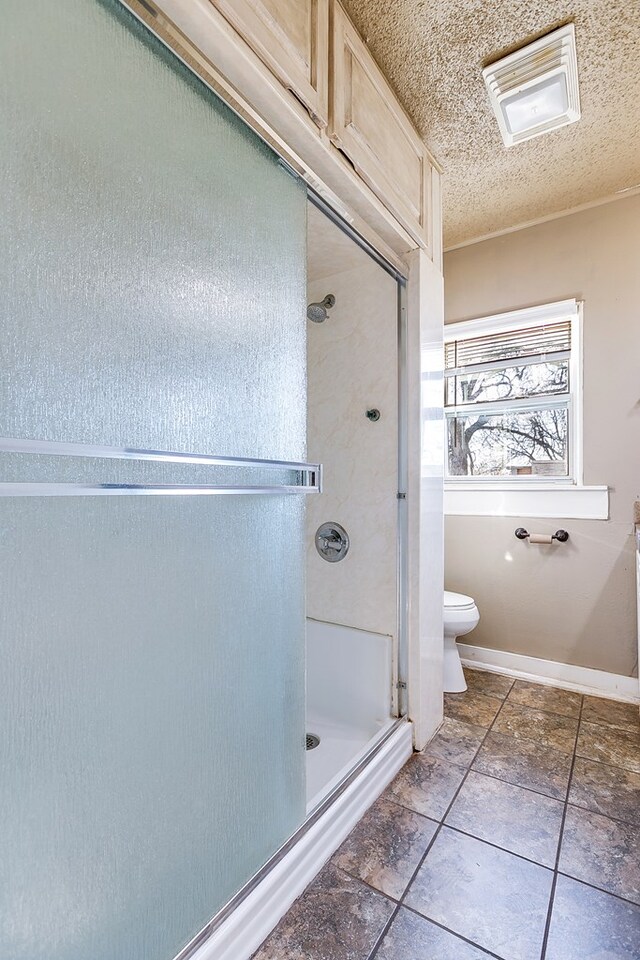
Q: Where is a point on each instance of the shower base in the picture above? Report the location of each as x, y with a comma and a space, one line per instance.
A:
252, 919
341, 747
349, 682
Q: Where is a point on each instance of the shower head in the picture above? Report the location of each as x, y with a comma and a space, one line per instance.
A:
317, 312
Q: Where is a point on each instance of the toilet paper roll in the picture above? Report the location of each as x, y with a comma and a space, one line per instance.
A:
540, 538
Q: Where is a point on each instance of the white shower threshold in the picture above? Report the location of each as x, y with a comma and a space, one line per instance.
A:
262, 904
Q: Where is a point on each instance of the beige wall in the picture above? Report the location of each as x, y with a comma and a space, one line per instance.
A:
352, 366
573, 603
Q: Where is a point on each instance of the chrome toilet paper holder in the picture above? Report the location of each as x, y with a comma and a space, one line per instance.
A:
560, 535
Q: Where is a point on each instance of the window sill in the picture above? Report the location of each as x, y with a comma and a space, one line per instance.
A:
564, 502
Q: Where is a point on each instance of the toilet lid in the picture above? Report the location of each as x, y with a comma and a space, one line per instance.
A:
458, 600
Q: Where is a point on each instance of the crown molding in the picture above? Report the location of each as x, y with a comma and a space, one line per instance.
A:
611, 198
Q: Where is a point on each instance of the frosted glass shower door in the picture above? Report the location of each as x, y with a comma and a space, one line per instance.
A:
152, 368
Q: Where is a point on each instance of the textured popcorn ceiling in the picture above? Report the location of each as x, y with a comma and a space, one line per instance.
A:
433, 51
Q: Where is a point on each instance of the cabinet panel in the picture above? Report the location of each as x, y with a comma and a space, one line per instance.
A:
292, 38
369, 126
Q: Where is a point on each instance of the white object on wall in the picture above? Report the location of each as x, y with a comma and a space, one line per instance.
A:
424, 494
559, 501
565, 675
352, 671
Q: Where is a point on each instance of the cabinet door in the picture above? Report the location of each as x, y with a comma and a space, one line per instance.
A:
369, 126
292, 38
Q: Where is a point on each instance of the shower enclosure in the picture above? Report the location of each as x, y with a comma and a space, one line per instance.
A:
353, 427
152, 481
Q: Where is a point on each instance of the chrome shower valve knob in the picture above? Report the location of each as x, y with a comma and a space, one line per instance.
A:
332, 542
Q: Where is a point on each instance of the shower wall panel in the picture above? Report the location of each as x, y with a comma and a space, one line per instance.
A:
352, 367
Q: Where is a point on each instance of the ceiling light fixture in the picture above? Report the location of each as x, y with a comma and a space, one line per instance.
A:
535, 89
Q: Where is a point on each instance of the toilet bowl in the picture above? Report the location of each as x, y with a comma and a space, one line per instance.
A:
460, 617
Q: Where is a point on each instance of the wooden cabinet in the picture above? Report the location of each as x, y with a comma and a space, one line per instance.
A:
350, 138
291, 37
370, 128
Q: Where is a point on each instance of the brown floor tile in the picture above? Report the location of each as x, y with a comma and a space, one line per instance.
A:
611, 791
386, 846
518, 820
426, 785
490, 684
611, 712
471, 707
612, 745
337, 917
587, 924
491, 897
525, 763
411, 937
549, 730
456, 742
565, 703
603, 852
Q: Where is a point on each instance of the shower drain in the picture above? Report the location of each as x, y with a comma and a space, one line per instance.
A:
312, 741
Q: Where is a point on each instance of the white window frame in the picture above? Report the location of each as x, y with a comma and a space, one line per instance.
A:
561, 497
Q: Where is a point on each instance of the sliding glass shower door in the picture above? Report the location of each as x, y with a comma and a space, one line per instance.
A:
152, 347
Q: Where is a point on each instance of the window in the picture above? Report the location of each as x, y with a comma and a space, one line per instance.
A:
513, 414
512, 391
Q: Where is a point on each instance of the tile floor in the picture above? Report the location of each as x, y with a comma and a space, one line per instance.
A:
515, 834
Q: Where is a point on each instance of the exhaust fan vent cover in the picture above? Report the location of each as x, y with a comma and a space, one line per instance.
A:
535, 89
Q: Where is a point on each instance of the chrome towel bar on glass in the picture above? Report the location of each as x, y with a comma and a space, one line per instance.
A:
309, 475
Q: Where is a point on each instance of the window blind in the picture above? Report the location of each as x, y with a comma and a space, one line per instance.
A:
530, 344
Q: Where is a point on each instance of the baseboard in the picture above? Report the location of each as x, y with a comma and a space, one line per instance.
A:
245, 929
565, 675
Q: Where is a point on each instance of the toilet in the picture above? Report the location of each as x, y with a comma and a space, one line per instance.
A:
460, 616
